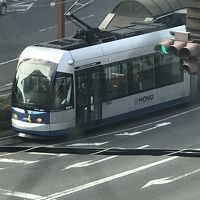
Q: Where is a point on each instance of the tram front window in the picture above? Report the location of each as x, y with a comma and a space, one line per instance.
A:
32, 83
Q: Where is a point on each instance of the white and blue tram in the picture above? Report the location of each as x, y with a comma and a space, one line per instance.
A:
67, 84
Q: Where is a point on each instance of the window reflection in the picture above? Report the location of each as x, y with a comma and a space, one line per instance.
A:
63, 92
140, 74
31, 86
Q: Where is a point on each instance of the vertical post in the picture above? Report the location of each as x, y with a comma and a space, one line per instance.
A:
193, 19
60, 19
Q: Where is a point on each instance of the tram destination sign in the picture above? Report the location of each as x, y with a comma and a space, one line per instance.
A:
94, 64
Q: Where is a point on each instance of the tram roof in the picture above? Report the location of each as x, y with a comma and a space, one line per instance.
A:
129, 18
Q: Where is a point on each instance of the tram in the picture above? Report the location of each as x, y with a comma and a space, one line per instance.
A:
83, 82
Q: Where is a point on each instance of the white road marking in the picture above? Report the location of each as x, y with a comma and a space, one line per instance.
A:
159, 181
168, 179
149, 129
105, 180
19, 194
48, 154
23, 6
143, 147
8, 84
87, 163
8, 61
91, 162
162, 124
129, 134
7, 137
10, 160
87, 144
142, 125
22, 151
154, 122
104, 150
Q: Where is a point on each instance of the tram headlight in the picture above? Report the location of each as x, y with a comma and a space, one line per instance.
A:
14, 116
39, 120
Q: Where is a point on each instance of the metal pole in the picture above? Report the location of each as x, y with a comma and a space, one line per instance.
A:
60, 19
193, 19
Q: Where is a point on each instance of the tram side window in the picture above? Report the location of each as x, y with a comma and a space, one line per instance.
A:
168, 70
141, 74
115, 81
63, 92
134, 77
129, 77
148, 73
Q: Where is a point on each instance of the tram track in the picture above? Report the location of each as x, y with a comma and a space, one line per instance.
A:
60, 145
12, 140
188, 152
7, 137
12, 143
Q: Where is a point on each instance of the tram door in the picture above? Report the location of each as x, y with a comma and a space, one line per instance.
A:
88, 97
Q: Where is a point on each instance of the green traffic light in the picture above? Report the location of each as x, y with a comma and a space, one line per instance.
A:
163, 50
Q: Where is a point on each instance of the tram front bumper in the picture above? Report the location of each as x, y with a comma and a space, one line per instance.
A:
30, 128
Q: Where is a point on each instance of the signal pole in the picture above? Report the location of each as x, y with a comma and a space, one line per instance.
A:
193, 19
60, 4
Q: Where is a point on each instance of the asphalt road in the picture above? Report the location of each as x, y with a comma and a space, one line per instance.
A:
136, 159
32, 21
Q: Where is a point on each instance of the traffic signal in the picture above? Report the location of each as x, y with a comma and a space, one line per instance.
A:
170, 46
192, 66
188, 51
177, 47
190, 57
163, 46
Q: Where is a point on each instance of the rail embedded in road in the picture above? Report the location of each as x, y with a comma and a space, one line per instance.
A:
5, 89
111, 151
